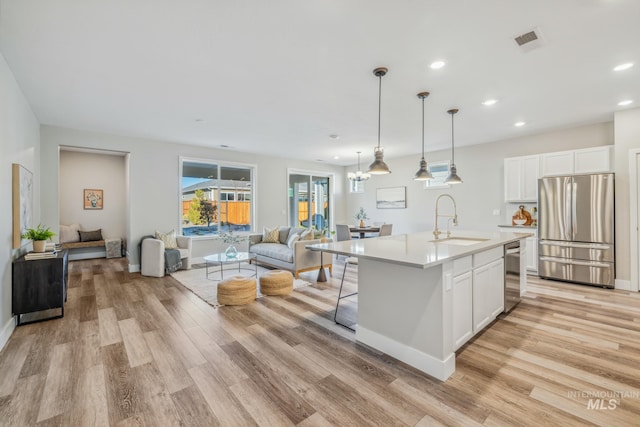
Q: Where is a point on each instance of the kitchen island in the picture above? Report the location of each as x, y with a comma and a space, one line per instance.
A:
420, 299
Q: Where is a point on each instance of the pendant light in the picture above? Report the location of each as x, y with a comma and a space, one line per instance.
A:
358, 175
453, 177
379, 167
423, 173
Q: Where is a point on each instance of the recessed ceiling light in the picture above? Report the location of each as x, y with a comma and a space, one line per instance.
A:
489, 102
319, 160
199, 120
625, 102
623, 67
518, 124
336, 157
437, 65
224, 146
334, 136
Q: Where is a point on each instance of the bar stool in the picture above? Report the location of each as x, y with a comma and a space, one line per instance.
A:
349, 261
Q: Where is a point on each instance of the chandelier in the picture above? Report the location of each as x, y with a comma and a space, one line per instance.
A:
358, 175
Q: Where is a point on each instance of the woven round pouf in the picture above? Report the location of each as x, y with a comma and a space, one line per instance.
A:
276, 282
237, 290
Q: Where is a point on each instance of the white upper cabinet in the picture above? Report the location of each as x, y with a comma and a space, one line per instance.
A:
521, 178
588, 160
593, 160
560, 163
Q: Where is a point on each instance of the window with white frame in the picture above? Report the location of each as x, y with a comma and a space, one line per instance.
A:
439, 171
210, 197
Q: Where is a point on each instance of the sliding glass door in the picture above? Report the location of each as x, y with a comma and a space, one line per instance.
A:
309, 201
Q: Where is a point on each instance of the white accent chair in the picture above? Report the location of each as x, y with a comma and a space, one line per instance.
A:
152, 256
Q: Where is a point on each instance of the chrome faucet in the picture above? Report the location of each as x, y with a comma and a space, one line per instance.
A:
453, 218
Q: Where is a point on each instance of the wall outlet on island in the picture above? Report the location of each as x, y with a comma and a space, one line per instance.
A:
496, 212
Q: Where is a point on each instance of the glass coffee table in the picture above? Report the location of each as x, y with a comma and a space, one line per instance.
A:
221, 259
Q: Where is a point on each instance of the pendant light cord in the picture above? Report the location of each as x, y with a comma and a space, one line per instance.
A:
379, 107
453, 162
422, 128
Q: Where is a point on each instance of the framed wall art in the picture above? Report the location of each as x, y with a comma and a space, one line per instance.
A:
22, 198
93, 199
391, 198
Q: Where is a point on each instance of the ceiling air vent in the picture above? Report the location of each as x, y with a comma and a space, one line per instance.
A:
529, 40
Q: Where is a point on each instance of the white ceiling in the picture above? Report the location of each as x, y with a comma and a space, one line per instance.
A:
278, 77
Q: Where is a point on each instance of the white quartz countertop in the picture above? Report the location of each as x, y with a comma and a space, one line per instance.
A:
419, 250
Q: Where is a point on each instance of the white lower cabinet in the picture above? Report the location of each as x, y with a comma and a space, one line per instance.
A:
478, 295
462, 309
488, 293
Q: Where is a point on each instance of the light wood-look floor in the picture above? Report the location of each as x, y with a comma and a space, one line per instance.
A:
142, 351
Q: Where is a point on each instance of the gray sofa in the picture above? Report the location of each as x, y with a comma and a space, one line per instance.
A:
297, 259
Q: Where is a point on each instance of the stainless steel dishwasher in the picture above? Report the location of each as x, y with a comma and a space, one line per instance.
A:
511, 275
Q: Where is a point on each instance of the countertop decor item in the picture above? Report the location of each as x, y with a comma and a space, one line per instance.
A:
361, 215
379, 167
39, 235
423, 173
521, 216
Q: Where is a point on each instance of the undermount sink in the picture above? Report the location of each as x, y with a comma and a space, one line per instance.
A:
460, 241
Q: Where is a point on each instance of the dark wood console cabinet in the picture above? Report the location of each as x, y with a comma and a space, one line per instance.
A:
38, 285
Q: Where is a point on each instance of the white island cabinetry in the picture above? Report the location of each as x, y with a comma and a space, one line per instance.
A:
488, 293
417, 296
462, 301
478, 293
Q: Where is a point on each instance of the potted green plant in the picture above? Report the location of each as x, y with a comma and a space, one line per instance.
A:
361, 215
39, 235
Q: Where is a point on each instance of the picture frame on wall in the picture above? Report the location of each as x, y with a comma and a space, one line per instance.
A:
391, 198
22, 201
93, 199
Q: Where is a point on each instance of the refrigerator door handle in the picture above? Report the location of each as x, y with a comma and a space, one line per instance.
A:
575, 262
590, 263
568, 202
579, 245
574, 206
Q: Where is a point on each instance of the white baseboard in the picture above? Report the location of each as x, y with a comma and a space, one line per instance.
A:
440, 369
623, 285
7, 330
134, 268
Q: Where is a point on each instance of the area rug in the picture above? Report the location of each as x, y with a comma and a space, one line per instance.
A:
207, 289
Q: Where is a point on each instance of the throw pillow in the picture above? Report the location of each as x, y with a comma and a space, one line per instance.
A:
271, 235
169, 239
284, 235
90, 236
307, 235
292, 240
69, 233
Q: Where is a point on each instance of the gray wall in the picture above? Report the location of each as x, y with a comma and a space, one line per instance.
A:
154, 186
19, 143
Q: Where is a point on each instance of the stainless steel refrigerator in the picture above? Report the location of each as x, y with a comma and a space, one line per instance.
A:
576, 229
